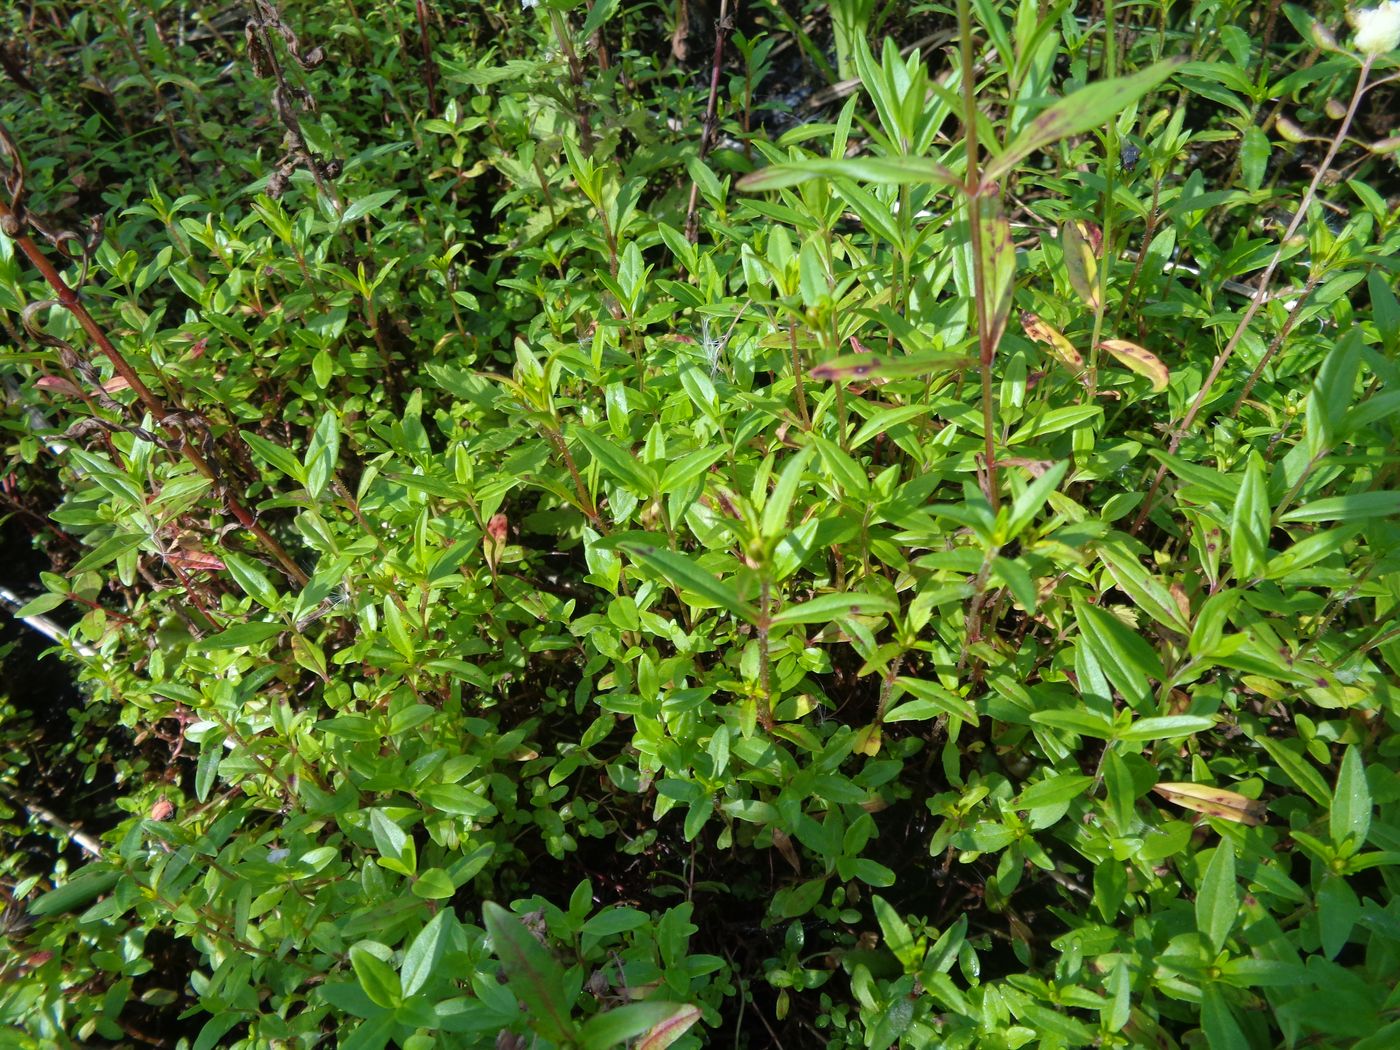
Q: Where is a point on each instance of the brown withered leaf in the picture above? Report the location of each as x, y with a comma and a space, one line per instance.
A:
1214, 802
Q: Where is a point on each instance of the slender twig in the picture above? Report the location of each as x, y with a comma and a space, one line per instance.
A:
81, 839
429, 66
973, 181
707, 134
1260, 295
13, 226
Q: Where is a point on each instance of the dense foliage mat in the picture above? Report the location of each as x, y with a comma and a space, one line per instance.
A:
582, 523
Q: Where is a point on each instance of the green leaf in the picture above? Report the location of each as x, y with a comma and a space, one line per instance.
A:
1254, 156
534, 975
1217, 897
932, 700
393, 843
376, 977
1029, 503
108, 550
1053, 791
1355, 506
322, 453
242, 634
278, 456
775, 510
86, 885
423, 955
1249, 522
1332, 392
835, 606
1218, 1022
1126, 658
1087, 108
1350, 812
433, 884
366, 204
685, 574
618, 463
613, 1027
885, 171
1147, 592
1086, 723
598, 16
1165, 727
1298, 769
898, 939
250, 578
40, 605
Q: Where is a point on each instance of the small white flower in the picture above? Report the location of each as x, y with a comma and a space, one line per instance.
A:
525, 5
1377, 28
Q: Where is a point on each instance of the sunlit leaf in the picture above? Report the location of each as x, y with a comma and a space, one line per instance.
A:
1213, 802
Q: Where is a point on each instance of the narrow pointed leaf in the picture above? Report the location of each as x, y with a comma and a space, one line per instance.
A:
1143, 362
1087, 108
1040, 332
1081, 265
1213, 802
884, 366
887, 171
685, 573
534, 975
1350, 815
1218, 897
669, 1029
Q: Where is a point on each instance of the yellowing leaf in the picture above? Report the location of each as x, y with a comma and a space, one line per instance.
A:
1081, 263
1213, 802
1059, 344
667, 1031
1141, 361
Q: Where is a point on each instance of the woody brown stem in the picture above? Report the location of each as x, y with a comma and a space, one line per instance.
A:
68, 298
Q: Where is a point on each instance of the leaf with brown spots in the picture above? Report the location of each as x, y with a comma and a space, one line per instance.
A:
1214, 802
1143, 362
1059, 344
1081, 264
850, 367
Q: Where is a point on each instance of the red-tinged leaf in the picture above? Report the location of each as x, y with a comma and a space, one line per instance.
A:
998, 264
1143, 362
1213, 802
869, 365
534, 975
665, 1032
1040, 332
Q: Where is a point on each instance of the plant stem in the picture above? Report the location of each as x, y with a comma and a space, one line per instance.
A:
68, 299
707, 133
974, 188
1261, 292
